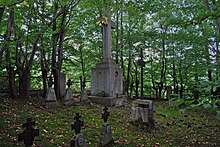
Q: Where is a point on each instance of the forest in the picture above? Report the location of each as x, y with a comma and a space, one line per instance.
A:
179, 40
169, 51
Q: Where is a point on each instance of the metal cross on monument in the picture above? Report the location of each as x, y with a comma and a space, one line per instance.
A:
28, 135
107, 36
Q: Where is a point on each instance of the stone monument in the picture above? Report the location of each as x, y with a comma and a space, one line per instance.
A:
51, 100
106, 77
28, 135
142, 115
106, 132
68, 100
78, 139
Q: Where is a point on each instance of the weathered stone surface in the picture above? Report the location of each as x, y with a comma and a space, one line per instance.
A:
142, 114
69, 94
69, 97
51, 96
78, 141
107, 101
121, 101
106, 134
84, 96
51, 100
107, 78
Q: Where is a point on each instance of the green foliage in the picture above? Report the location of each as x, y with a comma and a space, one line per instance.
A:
187, 29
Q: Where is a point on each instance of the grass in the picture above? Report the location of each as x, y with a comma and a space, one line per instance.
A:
173, 128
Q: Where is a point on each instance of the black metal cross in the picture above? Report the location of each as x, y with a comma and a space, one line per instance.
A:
69, 83
50, 82
28, 135
142, 64
77, 124
105, 114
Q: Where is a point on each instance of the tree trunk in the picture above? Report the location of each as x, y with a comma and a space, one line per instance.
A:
44, 70
181, 80
211, 9
163, 65
136, 81
175, 83
82, 78
117, 34
58, 40
131, 89
2, 9
195, 90
24, 84
129, 65
121, 41
10, 69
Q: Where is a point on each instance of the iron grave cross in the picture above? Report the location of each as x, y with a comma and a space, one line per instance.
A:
77, 124
28, 134
105, 114
107, 36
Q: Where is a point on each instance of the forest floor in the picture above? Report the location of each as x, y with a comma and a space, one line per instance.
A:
173, 128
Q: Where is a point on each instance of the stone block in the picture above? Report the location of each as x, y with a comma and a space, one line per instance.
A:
142, 114
106, 134
107, 77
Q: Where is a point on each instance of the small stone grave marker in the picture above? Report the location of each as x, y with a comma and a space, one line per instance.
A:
78, 139
69, 94
28, 135
51, 100
106, 132
84, 96
142, 115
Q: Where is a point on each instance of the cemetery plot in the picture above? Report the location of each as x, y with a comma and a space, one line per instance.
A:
172, 128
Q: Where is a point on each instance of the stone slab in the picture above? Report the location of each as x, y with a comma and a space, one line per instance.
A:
107, 101
69, 94
83, 96
121, 101
51, 96
142, 115
106, 134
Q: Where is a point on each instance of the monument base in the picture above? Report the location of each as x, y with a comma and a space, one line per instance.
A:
51, 104
108, 101
107, 79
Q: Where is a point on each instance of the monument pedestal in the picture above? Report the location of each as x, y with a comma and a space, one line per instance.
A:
106, 83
